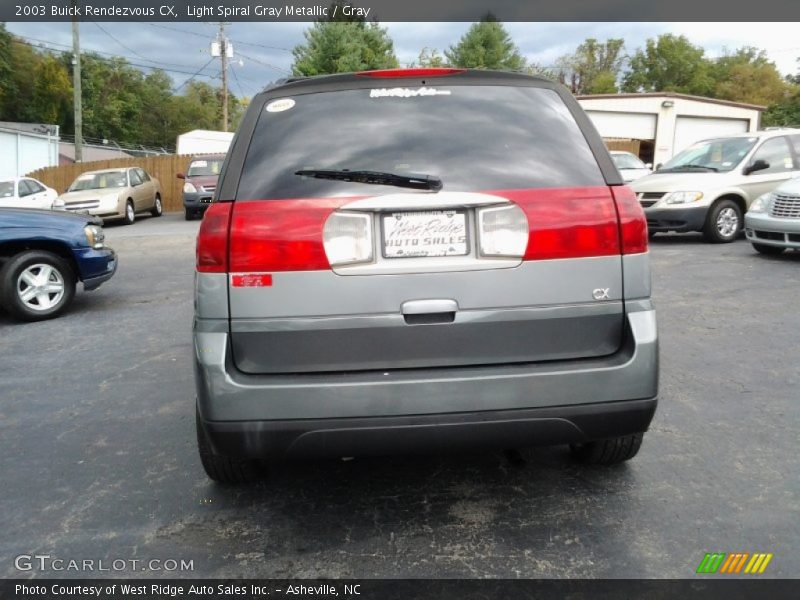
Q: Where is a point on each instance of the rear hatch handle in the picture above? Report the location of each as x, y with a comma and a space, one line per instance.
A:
429, 312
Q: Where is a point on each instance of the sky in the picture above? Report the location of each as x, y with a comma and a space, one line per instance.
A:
263, 50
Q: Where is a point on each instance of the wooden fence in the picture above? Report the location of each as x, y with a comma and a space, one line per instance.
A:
164, 168
632, 146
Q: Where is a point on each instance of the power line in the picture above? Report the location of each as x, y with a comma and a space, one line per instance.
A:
265, 64
262, 46
187, 32
135, 53
193, 76
42, 44
236, 78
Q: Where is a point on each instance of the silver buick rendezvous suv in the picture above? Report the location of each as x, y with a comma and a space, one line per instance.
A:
420, 260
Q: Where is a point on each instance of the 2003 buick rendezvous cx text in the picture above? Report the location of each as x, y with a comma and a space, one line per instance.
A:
412, 260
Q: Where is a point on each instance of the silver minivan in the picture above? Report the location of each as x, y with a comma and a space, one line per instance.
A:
420, 260
709, 185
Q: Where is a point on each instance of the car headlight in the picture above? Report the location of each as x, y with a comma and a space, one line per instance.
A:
95, 236
189, 188
683, 197
760, 204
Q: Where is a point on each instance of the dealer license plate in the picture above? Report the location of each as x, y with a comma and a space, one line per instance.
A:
425, 234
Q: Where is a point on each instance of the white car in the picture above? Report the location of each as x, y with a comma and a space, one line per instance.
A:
629, 165
25, 192
772, 224
709, 186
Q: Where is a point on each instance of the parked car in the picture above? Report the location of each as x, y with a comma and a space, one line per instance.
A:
709, 186
26, 192
772, 224
201, 181
114, 194
44, 254
630, 166
420, 260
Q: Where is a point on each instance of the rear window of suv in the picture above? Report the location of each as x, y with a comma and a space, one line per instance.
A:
472, 137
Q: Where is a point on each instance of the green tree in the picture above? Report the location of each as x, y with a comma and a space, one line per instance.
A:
604, 83
486, 45
6, 71
670, 63
18, 104
748, 75
157, 122
120, 102
343, 45
112, 99
594, 67
197, 108
541, 71
786, 112
429, 57
51, 100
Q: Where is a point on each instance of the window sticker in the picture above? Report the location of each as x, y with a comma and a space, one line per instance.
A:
406, 92
199, 163
280, 105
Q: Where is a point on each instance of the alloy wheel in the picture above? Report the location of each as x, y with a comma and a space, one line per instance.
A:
40, 287
727, 222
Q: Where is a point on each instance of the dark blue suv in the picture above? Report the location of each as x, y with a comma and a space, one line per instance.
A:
44, 254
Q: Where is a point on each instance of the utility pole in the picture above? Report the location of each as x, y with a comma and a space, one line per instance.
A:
223, 48
77, 97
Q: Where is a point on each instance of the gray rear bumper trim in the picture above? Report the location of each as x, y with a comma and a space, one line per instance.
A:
225, 394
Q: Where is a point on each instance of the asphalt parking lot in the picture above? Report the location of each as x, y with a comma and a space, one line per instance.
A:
98, 453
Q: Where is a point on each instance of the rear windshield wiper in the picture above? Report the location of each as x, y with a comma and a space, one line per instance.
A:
678, 168
417, 182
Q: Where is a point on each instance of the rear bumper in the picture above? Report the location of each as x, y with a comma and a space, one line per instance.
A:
676, 219
429, 433
367, 412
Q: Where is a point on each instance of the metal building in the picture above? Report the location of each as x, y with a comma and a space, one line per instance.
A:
25, 147
656, 126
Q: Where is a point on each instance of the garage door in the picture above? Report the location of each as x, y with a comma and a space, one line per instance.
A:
689, 130
634, 126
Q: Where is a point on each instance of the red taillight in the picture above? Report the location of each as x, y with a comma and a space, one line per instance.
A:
212, 240
428, 72
568, 222
632, 222
280, 235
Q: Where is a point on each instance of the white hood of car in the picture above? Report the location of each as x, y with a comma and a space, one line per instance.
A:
678, 182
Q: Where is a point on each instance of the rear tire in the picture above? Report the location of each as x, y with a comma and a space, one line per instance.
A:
20, 277
771, 250
224, 469
157, 209
608, 452
723, 222
130, 213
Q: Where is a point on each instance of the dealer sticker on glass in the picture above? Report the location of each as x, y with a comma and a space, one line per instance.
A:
422, 234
